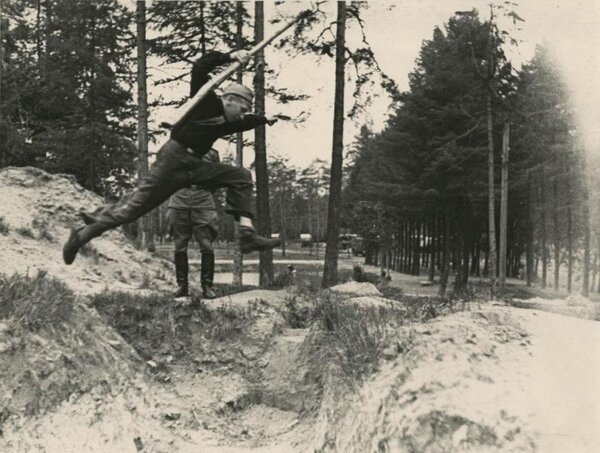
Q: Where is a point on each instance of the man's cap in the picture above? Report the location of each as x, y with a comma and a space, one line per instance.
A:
239, 90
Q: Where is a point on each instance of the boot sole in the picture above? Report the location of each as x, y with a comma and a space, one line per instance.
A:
262, 248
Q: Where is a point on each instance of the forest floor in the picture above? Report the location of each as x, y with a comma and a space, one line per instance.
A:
97, 357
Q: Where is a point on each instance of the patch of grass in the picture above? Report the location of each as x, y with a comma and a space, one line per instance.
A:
284, 279
228, 289
359, 275
120, 277
43, 232
154, 324
354, 336
228, 321
25, 232
297, 312
89, 251
143, 320
45, 235
423, 308
147, 281
4, 228
34, 302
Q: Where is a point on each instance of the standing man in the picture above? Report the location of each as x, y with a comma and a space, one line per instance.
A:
179, 163
193, 212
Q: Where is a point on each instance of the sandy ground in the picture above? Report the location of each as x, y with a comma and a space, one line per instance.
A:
488, 379
562, 380
492, 379
496, 379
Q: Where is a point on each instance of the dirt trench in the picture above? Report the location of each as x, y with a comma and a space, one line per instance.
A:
247, 389
129, 373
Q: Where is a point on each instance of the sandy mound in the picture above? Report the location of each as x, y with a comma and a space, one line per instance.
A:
450, 390
37, 210
354, 289
42, 368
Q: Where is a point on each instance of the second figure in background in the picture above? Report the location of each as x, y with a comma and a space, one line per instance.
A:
193, 212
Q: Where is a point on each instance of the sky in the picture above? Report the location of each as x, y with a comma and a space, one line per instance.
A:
396, 30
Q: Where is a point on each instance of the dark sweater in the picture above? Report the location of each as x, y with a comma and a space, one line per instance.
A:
206, 122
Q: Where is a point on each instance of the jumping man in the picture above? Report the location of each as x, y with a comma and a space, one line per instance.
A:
179, 163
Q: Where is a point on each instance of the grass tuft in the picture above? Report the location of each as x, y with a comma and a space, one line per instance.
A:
89, 251
297, 313
25, 232
4, 228
147, 281
228, 321
42, 229
354, 336
359, 275
34, 302
154, 324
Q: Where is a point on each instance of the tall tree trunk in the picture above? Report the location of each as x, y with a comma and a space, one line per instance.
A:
556, 233
462, 253
202, 28
432, 246
416, 244
38, 31
598, 255
409, 247
543, 228
397, 252
404, 248
585, 280
504, 206
263, 209
318, 219
422, 250
569, 236
529, 232
594, 272
491, 196
282, 230
439, 243
145, 237
238, 262
335, 187
445, 267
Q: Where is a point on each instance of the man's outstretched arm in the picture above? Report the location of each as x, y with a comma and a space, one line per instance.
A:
249, 122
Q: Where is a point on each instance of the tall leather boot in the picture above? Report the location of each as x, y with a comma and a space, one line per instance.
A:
207, 274
181, 274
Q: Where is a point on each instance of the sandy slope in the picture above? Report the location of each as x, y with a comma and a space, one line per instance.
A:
562, 380
44, 206
498, 379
